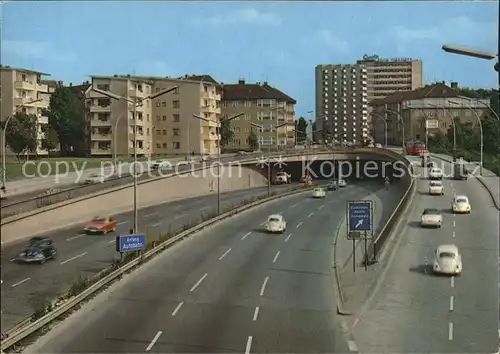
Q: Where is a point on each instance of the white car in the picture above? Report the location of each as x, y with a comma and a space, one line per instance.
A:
436, 173
431, 218
2, 194
378, 146
342, 183
447, 260
276, 223
160, 165
436, 188
95, 178
460, 204
319, 193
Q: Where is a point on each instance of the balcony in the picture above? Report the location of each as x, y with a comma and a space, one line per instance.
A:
100, 123
25, 102
93, 94
101, 137
134, 92
140, 136
210, 96
43, 120
41, 88
98, 151
100, 109
25, 85
211, 137
211, 109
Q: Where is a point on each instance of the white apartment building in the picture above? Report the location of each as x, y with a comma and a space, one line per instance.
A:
19, 91
165, 125
341, 102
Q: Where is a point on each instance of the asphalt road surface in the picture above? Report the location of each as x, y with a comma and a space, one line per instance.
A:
415, 311
24, 285
231, 288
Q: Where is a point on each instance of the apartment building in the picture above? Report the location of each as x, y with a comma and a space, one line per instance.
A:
165, 125
262, 105
412, 114
341, 102
22, 90
386, 76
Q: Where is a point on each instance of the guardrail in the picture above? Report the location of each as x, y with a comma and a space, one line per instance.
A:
23, 332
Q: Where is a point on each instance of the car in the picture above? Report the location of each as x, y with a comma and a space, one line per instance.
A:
38, 250
460, 204
282, 178
448, 260
332, 186
95, 178
342, 183
436, 188
2, 194
435, 173
431, 218
378, 146
318, 193
276, 223
430, 165
101, 225
160, 165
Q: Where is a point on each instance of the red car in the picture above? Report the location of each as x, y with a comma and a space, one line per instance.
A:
100, 225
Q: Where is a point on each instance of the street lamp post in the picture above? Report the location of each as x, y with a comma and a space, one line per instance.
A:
135, 102
261, 128
4, 143
480, 130
219, 124
385, 126
115, 163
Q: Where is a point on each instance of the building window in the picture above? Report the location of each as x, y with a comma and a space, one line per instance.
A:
176, 145
158, 118
176, 90
176, 131
176, 104
158, 146
234, 104
147, 131
177, 117
164, 145
164, 103
248, 116
158, 132
104, 87
164, 118
147, 117
157, 104
248, 103
164, 132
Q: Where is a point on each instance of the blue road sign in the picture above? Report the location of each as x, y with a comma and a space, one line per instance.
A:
127, 243
360, 215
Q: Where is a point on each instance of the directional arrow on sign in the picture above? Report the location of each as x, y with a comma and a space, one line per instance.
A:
360, 222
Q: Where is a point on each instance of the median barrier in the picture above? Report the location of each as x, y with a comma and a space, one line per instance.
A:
62, 308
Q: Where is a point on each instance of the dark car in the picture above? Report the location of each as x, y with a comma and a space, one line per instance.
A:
332, 186
38, 250
430, 164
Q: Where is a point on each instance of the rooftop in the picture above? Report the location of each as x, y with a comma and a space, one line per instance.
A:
438, 90
185, 78
28, 71
243, 91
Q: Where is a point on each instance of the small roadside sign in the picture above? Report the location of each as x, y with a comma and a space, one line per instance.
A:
129, 243
360, 215
354, 235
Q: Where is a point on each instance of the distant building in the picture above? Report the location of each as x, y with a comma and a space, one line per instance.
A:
431, 106
341, 102
20, 90
261, 104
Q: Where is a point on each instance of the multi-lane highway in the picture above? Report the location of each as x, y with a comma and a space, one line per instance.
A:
231, 288
25, 286
414, 311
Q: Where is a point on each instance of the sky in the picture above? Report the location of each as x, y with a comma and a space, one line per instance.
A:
278, 42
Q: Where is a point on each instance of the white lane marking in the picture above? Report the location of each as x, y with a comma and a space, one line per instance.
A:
454, 223
150, 346
177, 308
12, 259
280, 213
246, 235
198, 283
111, 242
450, 331
20, 282
311, 214
256, 313
263, 288
75, 237
321, 207
298, 225
75, 257
156, 224
293, 206
263, 223
452, 282
276, 257
205, 208
249, 345
453, 235
288, 237
352, 346
224, 254
180, 216
452, 302
123, 222
151, 214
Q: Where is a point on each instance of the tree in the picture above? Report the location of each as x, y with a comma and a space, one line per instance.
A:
253, 142
66, 115
301, 128
21, 133
50, 140
226, 133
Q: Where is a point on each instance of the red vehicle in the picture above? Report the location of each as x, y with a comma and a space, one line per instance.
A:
415, 148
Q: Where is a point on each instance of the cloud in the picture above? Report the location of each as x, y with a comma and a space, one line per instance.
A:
331, 42
36, 50
459, 29
248, 16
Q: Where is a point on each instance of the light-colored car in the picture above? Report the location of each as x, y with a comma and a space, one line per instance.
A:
431, 218
448, 260
2, 194
342, 183
436, 188
95, 178
436, 173
283, 178
378, 146
319, 193
160, 165
460, 204
276, 223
